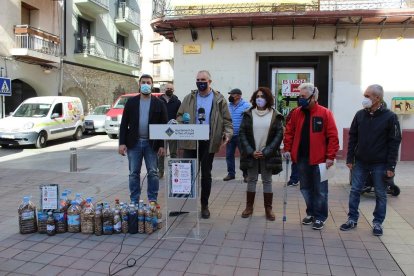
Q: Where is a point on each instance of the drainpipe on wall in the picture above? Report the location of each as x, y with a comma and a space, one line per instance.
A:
62, 26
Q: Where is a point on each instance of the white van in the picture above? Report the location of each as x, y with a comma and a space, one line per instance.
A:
39, 119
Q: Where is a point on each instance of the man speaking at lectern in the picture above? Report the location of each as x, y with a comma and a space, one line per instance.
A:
206, 106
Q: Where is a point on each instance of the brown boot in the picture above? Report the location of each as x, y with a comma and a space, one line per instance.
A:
249, 204
268, 200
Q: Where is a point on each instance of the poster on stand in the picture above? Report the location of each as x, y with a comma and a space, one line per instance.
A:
182, 178
49, 196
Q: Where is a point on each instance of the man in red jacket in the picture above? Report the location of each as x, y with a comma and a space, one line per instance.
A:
311, 138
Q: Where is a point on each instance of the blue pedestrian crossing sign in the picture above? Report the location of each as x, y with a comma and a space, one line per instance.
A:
5, 87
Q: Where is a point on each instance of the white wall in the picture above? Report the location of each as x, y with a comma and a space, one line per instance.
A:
354, 66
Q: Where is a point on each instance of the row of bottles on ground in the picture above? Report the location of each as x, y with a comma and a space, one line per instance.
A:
79, 215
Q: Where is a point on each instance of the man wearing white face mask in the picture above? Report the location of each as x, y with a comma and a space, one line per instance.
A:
374, 140
139, 112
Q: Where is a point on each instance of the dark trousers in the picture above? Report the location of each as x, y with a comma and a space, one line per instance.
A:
205, 159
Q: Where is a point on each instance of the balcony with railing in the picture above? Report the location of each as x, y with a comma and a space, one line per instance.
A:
35, 46
160, 57
127, 18
167, 19
162, 9
93, 6
91, 46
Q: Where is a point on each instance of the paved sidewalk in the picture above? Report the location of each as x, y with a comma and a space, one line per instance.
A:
233, 246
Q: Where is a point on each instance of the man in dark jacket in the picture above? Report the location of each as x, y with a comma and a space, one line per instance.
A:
139, 112
173, 104
374, 140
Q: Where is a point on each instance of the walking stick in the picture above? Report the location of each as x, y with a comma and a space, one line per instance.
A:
284, 211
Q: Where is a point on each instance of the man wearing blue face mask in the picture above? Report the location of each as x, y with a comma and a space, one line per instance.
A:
206, 106
139, 112
311, 138
374, 140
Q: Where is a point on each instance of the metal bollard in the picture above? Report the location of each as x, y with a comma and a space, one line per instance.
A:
73, 160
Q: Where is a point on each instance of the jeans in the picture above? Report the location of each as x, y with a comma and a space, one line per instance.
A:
230, 150
172, 146
313, 190
359, 175
206, 165
142, 149
294, 175
253, 173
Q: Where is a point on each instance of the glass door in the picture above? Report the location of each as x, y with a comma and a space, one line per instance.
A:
285, 83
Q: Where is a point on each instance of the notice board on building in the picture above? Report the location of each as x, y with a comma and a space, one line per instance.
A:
402, 105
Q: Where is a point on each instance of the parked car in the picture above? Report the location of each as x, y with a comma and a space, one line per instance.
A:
40, 119
114, 115
95, 122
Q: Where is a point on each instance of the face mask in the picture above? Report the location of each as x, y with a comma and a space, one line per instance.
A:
146, 89
168, 92
260, 102
231, 99
202, 85
366, 103
303, 102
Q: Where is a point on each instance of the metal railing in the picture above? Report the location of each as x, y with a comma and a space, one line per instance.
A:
127, 13
28, 37
161, 9
101, 48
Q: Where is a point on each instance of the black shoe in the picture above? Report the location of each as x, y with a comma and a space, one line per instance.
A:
245, 179
229, 177
350, 224
377, 229
292, 183
308, 220
205, 213
318, 224
176, 213
160, 175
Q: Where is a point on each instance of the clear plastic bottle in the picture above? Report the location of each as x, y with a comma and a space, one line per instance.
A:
107, 220
60, 215
41, 222
141, 218
74, 217
50, 224
132, 220
148, 220
69, 197
27, 216
159, 216
88, 217
98, 220
79, 199
117, 204
154, 221
117, 220
124, 218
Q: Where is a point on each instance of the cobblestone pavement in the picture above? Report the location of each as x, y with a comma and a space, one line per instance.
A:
231, 245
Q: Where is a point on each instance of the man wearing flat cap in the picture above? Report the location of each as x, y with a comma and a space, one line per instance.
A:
237, 106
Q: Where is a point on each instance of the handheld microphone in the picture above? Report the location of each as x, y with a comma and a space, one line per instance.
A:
201, 115
186, 118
